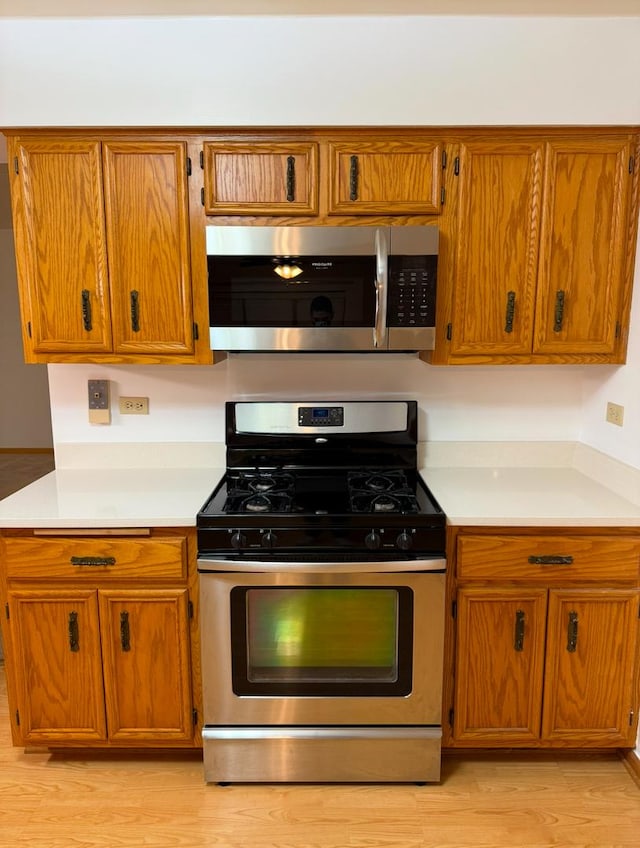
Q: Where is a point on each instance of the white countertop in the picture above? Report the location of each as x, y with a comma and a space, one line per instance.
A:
528, 497
509, 485
140, 497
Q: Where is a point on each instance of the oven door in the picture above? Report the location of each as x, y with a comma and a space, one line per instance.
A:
322, 644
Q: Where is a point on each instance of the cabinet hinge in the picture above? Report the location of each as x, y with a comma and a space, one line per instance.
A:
202, 159
202, 196
632, 164
454, 609
188, 166
16, 167
449, 330
442, 196
444, 159
6, 610
456, 166
190, 609
194, 715
18, 717
29, 328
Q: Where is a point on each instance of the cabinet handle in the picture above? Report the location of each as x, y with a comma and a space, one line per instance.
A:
572, 632
74, 636
511, 308
135, 312
559, 311
92, 560
291, 178
518, 641
86, 310
125, 634
550, 560
353, 178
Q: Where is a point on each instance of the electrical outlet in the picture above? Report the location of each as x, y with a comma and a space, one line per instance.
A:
615, 414
134, 405
99, 412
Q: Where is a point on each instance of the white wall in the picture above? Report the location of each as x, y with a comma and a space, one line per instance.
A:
347, 70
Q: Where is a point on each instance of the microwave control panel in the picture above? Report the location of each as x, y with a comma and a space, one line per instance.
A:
412, 291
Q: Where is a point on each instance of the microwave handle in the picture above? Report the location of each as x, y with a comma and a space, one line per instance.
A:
381, 283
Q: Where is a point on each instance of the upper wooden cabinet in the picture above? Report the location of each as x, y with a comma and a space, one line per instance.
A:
545, 244
260, 178
391, 177
103, 249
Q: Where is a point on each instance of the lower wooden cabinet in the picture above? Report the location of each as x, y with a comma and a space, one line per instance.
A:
97, 655
549, 664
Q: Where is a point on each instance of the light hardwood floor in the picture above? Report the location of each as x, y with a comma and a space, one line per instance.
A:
123, 801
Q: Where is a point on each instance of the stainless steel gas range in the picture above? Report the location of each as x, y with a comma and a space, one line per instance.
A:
322, 572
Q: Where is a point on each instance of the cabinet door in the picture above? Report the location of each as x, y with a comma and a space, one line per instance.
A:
278, 178
497, 254
499, 665
146, 203
583, 245
60, 245
146, 665
385, 177
591, 648
55, 635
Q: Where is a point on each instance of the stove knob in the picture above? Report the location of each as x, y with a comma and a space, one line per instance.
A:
404, 541
268, 539
238, 540
373, 541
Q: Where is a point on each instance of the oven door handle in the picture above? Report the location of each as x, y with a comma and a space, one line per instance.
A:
382, 263
435, 564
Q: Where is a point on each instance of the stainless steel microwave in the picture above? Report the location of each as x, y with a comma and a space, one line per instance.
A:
326, 289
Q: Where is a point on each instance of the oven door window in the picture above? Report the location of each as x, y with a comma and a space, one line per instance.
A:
314, 291
331, 641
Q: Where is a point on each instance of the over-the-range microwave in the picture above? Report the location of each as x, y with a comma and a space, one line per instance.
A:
314, 288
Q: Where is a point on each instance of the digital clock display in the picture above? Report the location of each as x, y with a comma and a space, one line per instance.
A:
321, 416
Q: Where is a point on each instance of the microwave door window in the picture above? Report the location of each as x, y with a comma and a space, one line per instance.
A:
309, 291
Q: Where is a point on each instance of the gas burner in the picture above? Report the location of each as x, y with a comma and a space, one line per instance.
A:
385, 503
258, 502
377, 481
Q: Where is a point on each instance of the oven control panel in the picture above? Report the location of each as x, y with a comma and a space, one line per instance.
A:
321, 416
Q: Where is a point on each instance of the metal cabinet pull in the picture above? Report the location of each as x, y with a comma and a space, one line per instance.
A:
551, 560
559, 311
518, 641
291, 178
74, 635
353, 178
572, 632
511, 308
93, 561
125, 634
135, 312
86, 310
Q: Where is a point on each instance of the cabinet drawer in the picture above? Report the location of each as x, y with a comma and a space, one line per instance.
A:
97, 557
549, 559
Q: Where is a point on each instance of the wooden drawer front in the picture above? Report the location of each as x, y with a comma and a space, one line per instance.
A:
549, 559
115, 558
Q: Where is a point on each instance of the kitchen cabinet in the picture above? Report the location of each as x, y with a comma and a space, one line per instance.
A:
545, 233
98, 640
396, 176
260, 178
102, 239
546, 641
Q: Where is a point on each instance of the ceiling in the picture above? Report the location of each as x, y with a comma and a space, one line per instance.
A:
122, 8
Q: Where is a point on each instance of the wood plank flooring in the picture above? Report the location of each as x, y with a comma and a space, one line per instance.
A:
123, 801
18, 469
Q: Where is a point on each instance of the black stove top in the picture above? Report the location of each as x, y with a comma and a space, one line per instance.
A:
312, 490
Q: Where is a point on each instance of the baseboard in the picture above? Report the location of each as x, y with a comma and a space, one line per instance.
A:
26, 450
632, 762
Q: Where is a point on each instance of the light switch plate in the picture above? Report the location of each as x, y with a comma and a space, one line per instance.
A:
99, 411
